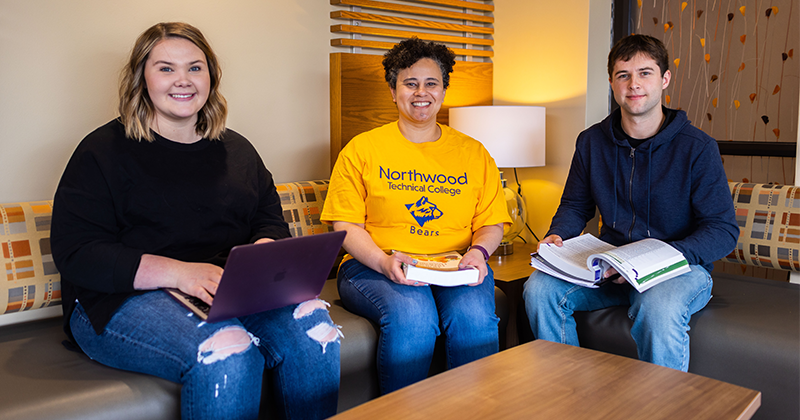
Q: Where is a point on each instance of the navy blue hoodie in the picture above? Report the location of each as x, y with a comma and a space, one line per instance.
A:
672, 187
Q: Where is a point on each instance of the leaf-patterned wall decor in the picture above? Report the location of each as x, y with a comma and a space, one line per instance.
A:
733, 72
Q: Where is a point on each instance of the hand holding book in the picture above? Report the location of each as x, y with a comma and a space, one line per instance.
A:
587, 261
440, 269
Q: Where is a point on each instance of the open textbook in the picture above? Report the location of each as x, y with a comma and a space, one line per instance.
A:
582, 260
440, 269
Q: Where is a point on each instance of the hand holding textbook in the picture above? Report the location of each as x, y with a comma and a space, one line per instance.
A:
440, 269
582, 260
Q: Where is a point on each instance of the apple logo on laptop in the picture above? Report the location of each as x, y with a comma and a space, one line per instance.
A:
279, 276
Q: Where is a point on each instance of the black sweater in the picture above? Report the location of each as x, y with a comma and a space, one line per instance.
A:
121, 198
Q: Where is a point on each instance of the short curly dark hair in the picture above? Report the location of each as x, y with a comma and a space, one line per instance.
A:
406, 53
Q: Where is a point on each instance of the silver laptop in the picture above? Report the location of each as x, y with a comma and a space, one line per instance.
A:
262, 277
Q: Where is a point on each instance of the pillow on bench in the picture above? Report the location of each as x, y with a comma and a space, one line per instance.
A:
302, 205
769, 219
31, 279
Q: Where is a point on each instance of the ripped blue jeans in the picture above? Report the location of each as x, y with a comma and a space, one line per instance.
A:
221, 365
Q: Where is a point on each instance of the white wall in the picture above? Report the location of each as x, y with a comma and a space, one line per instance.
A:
597, 86
61, 60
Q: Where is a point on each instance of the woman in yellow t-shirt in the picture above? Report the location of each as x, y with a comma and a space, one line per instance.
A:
417, 187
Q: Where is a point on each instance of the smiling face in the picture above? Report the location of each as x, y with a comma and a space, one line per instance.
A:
419, 92
637, 85
178, 81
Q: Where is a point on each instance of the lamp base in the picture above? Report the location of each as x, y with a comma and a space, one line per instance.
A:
505, 248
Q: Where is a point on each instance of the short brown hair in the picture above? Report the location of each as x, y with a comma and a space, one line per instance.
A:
135, 107
635, 44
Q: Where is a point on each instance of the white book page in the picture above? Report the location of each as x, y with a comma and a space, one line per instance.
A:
573, 256
540, 264
638, 260
647, 255
442, 278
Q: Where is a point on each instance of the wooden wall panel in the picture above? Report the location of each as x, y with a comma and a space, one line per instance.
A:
361, 100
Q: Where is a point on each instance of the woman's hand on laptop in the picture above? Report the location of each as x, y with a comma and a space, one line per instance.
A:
264, 240
200, 280
196, 279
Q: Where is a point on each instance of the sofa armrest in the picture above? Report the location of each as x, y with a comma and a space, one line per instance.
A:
30, 280
769, 221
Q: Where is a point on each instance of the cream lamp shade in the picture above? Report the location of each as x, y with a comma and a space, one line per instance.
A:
513, 135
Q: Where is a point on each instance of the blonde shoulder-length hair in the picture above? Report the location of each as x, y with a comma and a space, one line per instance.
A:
135, 107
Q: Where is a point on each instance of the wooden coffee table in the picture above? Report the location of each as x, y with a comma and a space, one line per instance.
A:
547, 380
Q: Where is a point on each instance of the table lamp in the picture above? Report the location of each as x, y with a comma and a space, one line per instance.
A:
515, 137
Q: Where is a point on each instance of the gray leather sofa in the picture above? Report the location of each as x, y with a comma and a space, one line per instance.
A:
749, 333
43, 379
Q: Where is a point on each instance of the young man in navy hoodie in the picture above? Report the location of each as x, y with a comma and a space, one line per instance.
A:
652, 175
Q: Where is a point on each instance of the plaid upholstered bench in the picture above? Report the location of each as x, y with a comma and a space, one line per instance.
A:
41, 379
749, 334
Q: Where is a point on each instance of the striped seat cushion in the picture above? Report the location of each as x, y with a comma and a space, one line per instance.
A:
302, 205
31, 280
769, 223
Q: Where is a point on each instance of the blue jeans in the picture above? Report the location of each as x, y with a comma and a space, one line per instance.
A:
221, 365
410, 319
660, 315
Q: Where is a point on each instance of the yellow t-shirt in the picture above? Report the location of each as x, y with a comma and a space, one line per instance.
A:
422, 198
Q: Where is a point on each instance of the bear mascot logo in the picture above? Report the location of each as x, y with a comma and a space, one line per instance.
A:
424, 211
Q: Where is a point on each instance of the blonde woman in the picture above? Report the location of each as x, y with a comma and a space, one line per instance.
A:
156, 199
